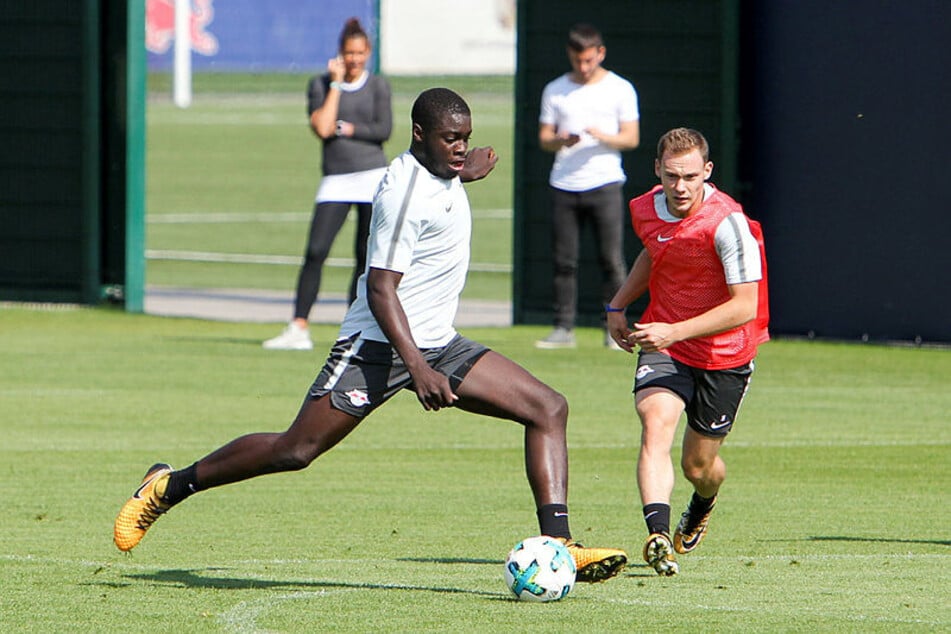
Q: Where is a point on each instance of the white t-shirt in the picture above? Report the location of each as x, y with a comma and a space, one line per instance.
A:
574, 107
421, 227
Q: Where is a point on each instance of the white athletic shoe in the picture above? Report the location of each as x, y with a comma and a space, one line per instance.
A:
293, 338
610, 343
559, 338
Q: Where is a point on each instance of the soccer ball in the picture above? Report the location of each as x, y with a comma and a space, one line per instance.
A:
539, 569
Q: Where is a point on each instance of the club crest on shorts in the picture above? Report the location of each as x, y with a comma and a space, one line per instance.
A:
358, 398
643, 371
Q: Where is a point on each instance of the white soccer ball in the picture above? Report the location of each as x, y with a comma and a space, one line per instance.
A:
540, 569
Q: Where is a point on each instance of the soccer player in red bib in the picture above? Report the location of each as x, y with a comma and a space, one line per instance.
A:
704, 265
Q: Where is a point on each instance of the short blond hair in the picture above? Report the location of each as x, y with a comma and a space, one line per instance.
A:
682, 140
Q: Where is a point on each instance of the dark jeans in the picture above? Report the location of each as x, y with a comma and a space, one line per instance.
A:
604, 209
324, 226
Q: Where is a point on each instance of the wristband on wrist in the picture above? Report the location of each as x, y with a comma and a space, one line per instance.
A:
608, 308
335, 84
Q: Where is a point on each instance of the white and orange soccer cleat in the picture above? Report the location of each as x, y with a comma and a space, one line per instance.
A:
659, 555
142, 509
691, 528
595, 564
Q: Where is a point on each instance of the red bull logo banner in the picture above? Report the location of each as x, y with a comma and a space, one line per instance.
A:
160, 26
255, 36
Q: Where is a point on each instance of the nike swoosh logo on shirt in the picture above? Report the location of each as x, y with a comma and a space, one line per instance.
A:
663, 239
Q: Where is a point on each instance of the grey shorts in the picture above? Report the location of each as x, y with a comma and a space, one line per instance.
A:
360, 375
712, 398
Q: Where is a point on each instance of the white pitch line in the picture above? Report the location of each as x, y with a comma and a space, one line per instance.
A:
243, 617
627, 445
931, 442
318, 562
226, 217
129, 565
238, 258
254, 258
239, 217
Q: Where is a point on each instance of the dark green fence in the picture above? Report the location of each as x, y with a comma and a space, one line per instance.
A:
685, 73
72, 160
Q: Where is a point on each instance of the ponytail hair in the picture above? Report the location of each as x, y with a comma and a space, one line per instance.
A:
352, 29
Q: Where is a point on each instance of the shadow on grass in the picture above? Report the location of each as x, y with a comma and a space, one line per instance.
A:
883, 540
646, 572
631, 570
204, 578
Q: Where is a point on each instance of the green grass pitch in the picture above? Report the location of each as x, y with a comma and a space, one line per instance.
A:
236, 173
834, 517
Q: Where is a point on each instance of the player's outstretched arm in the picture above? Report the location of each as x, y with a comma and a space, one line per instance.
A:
633, 287
479, 162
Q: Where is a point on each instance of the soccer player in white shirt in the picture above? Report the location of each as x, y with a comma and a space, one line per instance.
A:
398, 334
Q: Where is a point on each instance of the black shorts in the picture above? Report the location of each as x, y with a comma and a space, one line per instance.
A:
360, 375
712, 398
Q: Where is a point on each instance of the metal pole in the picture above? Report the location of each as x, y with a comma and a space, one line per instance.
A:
183, 54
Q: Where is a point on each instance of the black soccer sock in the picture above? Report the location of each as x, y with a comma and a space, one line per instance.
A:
181, 484
700, 505
553, 520
657, 517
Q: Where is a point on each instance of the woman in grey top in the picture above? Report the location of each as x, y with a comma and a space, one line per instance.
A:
350, 111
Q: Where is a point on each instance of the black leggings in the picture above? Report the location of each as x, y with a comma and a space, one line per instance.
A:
324, 227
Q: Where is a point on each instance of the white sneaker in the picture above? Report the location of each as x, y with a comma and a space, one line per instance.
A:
559, 338
293, 338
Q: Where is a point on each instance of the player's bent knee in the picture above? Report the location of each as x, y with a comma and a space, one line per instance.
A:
692, 472
297, 457
697, 470
554, 411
